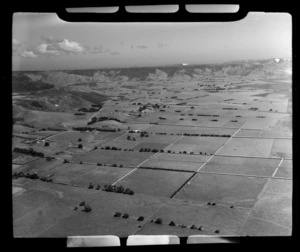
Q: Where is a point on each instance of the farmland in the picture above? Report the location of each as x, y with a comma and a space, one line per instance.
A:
209, 154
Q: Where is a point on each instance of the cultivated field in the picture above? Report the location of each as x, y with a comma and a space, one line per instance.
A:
200, 152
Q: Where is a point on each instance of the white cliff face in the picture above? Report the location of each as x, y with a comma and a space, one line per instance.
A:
34, 77
181, 75
63, 79
276, 60
112, 76
158, 75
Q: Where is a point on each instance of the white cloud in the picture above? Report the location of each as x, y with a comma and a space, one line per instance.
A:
28, 54
44, 49
16, 42
55, 46
70, 46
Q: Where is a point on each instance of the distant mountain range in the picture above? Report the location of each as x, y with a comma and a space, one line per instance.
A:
258, 69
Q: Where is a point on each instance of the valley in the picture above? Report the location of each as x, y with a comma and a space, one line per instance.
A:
205, 149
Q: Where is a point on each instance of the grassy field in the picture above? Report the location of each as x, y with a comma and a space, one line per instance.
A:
112, 157
155, 182
236, 185
224, 189
241, 166
252, 147
172, 165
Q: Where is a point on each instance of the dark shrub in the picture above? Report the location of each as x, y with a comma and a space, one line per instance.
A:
117, 214
87, 208
172, 223
120, 189
141, 218
82, 203
158, 221
125, 216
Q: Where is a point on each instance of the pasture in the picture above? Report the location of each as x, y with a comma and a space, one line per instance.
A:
155, 182
223, 189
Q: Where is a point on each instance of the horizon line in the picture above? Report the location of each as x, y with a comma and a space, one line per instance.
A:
151, 66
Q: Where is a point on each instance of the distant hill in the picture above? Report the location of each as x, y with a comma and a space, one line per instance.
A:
60, 100
261, 69
23, 83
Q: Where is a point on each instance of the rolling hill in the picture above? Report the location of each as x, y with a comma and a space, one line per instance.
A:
30, 80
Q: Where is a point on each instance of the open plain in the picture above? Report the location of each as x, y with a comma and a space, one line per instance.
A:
203, 151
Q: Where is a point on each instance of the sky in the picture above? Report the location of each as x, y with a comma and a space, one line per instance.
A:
42, 41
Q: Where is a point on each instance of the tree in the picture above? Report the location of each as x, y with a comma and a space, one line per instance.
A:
120, 189
87, 208
46, 144
82, 203
125, 216
141, 218
98, 187
91, 186
158, 221
79, 140
117, 214
80, 146
172, 223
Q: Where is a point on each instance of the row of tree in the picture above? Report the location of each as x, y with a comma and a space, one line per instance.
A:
126, 216
98, 129
117, 189
17, 175
29, 151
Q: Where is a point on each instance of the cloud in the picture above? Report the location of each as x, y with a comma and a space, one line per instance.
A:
70, 46
16, 42
28, 54
16, 46
46, 50
160, 45
56, 47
